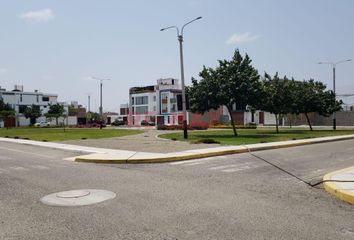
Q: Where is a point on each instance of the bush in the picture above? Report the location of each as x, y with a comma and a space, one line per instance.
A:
206, 141
179, 127
229, 126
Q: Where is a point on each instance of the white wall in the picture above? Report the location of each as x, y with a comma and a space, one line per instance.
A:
71, 121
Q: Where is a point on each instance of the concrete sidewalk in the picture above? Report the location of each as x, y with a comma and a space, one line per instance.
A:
341, 184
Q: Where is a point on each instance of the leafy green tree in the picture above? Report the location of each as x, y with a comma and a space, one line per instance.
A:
6, 110
233, 82
73, 111
55, 111
312, 96
33, 112
277, 97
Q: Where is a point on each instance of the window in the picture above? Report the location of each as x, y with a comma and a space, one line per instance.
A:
173, 108
154, 108
142, 110
154, 99
45, 99
133, 101
37, 98
22, 108
21, 98
142, 100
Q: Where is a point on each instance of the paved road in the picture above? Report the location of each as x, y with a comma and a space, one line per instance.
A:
229, 197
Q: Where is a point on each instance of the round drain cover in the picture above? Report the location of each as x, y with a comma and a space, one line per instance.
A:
73, 194
80, 197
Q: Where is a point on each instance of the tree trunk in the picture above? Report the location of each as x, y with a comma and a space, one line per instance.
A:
232, 121
308, 121
56, 121
276, 122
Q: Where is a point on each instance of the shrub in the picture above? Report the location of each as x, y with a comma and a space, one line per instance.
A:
206, 141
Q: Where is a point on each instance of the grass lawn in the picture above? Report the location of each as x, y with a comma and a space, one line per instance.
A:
58, 134
249, 136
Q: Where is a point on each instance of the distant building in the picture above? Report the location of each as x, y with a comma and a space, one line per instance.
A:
19, 100
156, 103
123, 113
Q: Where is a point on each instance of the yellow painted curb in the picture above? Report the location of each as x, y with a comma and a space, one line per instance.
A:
160, 159
330, 187
204, 155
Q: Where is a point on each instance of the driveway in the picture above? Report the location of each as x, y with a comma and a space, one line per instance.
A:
145, 142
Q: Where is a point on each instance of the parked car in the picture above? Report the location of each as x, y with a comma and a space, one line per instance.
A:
118, 122
147, 123
96, 125
42, 124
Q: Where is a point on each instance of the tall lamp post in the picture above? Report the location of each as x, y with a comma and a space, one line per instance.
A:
180, 40
334, 64
101, 109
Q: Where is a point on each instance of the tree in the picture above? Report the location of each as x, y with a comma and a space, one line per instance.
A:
5, 110
234, 82
33, 112
72, 110
55, 111
311, 96
277, 96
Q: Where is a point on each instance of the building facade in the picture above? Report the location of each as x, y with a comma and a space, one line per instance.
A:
19, 100
155, 104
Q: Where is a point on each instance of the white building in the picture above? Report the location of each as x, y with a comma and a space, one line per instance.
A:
155, 104
20, 100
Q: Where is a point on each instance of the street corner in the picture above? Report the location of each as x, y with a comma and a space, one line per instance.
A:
102, 158
341, 184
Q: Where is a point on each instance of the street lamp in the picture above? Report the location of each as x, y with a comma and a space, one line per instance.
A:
101, 109
88, 102
180, 40
334, 64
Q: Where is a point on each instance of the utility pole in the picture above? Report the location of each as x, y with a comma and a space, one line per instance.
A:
334, 64
180, 40
101, 108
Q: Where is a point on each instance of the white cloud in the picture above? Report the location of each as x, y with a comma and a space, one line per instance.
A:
242, 38
3, 70
43, 15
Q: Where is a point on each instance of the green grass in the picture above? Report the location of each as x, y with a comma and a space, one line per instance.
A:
250, 136
58, 134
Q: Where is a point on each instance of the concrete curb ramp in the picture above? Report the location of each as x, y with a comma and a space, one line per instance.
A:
342, 190
118, 157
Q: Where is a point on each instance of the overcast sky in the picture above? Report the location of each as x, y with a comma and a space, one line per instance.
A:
56, 46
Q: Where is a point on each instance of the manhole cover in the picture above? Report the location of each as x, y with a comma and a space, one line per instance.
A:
80, 197
73, 194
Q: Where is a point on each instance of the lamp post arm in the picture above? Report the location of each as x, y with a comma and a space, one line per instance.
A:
163, 29
189, 23
347, 60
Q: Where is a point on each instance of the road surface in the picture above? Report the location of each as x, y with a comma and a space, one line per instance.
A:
228, 197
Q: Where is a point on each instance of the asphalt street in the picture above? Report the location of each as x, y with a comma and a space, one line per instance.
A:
228, 197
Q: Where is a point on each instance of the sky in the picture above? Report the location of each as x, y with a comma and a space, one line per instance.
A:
57, 46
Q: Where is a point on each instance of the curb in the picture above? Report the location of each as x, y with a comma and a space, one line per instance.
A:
335, 189
157, 159
188, 155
